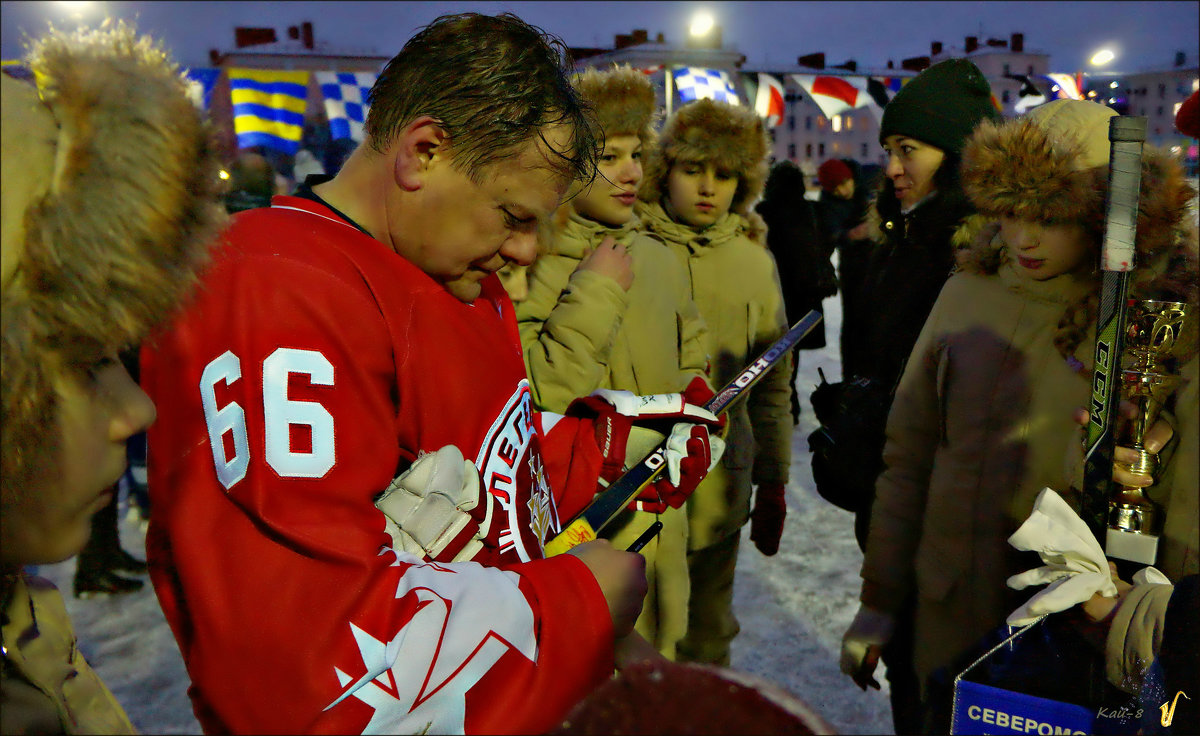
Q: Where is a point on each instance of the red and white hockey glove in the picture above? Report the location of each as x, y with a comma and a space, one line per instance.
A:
628, 427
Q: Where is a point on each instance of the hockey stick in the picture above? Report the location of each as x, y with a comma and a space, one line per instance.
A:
1120, 227
609, 502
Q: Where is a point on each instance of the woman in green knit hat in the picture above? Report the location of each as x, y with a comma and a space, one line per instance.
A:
919, 218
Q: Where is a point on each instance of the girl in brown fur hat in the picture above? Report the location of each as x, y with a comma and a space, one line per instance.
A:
610, 308
110, 197
984, 414
700, 183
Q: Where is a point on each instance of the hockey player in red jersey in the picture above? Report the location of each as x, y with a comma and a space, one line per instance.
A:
355, 333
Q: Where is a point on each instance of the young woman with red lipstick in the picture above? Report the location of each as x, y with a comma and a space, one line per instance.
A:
983, 417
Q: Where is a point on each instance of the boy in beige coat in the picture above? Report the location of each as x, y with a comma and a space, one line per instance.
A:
110, 199
609, 308
701, 181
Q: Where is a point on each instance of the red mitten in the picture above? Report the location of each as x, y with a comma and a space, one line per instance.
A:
766, 520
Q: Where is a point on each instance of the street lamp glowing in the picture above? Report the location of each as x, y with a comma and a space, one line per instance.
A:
1102, 57
702, 23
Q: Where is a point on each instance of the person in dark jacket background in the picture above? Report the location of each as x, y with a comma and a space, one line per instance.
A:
801, 255
846, 188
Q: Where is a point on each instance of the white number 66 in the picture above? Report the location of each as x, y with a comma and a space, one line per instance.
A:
280, 414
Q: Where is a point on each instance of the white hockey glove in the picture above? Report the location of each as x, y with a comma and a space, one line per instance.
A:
427, 506
628, 427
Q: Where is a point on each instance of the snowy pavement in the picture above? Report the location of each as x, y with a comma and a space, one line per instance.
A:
793, 607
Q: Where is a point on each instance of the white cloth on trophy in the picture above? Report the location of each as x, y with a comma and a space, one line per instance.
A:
1075, 568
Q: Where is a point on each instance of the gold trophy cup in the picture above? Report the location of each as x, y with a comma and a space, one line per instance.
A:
1152, 330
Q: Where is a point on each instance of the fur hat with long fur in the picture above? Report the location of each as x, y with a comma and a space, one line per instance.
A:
111, 197
729, 136
1051, 166
623, 100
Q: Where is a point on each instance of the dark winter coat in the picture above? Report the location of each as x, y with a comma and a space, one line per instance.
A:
802, 254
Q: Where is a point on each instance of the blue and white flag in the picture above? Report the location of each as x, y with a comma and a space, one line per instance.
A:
694, 83
268, 107
200, 85
346, 102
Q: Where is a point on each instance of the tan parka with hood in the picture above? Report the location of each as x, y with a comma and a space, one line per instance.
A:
574, 328
983, 415
735, 284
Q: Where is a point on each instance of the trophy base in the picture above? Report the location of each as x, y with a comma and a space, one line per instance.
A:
1132, 546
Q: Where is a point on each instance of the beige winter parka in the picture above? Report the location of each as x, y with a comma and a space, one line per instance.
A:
48, 687
735, 285
572, 324
970, 443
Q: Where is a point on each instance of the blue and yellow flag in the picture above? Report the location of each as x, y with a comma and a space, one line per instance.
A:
268, 107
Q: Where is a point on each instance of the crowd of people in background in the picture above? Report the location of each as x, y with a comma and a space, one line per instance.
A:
417, 359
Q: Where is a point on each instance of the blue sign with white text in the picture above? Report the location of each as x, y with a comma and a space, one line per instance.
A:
982, 709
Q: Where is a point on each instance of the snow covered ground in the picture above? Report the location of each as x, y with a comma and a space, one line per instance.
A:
793, 607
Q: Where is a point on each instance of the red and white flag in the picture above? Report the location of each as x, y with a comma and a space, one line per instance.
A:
768, 101
835, 95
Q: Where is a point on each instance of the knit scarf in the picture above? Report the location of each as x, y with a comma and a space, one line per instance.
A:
698, 241
576, 235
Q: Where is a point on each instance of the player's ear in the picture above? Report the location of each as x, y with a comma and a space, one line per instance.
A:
415, 149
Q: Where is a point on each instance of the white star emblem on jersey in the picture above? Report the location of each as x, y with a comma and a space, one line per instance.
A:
418, 681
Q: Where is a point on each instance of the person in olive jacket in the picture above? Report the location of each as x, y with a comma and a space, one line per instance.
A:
701, 179
111, 197
608, 307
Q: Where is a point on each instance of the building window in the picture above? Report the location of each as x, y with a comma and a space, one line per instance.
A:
808, 122
807, 150
1162, 91
1006, 72
836, 123
864, 150
849, 123
821, 122
1030, 69
821, 150
792, 151
1159, 111
791, 122
1004, 97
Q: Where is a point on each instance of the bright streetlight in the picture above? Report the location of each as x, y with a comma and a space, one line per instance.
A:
1102, 57
702, 23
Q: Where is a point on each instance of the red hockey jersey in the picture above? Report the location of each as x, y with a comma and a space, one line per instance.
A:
312, 365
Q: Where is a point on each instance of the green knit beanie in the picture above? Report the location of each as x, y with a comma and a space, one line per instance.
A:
940, 106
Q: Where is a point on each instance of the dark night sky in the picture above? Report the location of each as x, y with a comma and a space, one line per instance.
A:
1144, 35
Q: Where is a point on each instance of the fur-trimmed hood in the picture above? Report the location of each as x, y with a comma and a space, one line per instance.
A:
623, 100
731, 137
1052, 166
111, 197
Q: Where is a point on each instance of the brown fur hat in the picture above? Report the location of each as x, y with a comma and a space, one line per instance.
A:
623, 100
1051, 166
730, 136
111, 197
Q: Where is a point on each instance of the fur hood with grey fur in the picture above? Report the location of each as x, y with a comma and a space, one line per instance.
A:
731, 137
